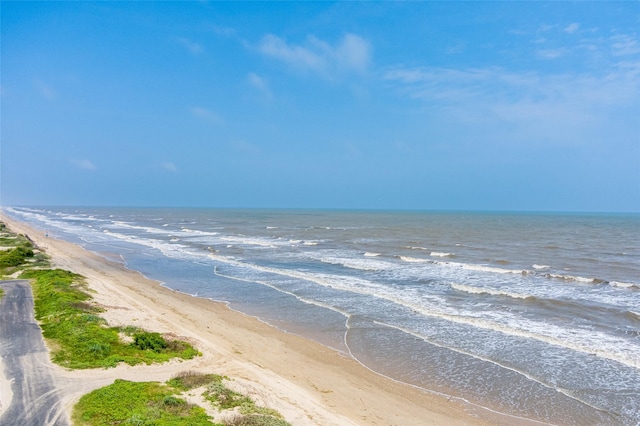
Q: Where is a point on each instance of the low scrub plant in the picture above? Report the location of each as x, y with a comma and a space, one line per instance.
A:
18, 253
153, 403
188, 380
137, 403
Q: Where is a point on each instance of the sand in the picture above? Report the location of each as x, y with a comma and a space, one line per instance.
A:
308, 383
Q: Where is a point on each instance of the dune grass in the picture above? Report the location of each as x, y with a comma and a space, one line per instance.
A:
135, 403
18, 253
79, 338
153, 403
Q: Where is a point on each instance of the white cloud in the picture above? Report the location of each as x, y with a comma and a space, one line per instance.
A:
351, 54
170, 167
260, 84
623, 45
223, 31
559, 107
551, 53
192, 47
83, 164
571, 28
45, 90
206, 115
245, 147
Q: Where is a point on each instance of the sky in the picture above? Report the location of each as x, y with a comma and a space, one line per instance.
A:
518, 106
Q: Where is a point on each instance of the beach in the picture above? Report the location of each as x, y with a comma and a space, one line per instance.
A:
307, 382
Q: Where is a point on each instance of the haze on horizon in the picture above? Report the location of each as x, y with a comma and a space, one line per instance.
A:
386, 105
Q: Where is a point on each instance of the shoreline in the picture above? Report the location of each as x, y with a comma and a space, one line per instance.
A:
309, 383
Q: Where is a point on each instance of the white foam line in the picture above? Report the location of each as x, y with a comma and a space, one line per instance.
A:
473, 322
490, 291
423, 389
469, 354
301, 299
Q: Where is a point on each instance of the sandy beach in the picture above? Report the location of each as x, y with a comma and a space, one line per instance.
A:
308, 383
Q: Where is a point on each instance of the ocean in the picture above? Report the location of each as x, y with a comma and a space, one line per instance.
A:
534, 316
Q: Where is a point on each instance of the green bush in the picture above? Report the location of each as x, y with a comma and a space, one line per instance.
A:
150, 341
15, 256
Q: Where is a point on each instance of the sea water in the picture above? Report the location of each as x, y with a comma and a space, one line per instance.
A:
534, 316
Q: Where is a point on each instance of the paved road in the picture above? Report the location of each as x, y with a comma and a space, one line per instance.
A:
25, 359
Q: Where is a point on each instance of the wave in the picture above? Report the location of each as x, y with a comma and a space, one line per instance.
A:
540, 267
484, 268
490, 361
577, 279
369, 254
413, 259
478, 290
439, 254
581, 340
632, 286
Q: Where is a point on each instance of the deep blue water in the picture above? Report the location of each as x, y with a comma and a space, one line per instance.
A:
531, 315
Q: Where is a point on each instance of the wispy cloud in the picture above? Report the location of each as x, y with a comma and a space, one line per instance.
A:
551, 53
170, 167
83, 164
571, 28
45, 90
246, 147
206, 115
624, 44
261, 84
223, 31
548, 107
193, 47
351, 54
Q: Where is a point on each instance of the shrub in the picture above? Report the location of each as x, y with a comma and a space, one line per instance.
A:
187, 380
150, 341
15, 256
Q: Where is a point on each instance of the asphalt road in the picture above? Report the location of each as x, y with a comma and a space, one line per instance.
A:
36, 401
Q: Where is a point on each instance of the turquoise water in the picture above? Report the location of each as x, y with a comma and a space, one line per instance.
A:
531, 315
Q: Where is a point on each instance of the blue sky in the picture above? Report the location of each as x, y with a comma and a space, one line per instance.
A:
383, 105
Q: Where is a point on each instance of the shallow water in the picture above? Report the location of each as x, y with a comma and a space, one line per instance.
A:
531, 315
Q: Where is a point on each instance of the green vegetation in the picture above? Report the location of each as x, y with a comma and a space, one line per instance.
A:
18, 253
153, 403
80, 337
132, 403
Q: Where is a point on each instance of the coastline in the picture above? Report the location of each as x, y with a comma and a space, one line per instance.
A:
308, 383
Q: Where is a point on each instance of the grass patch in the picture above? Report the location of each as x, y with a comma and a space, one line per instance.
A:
153, 403
19, 253
133, 403
188, 380
250, 414
81, 337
